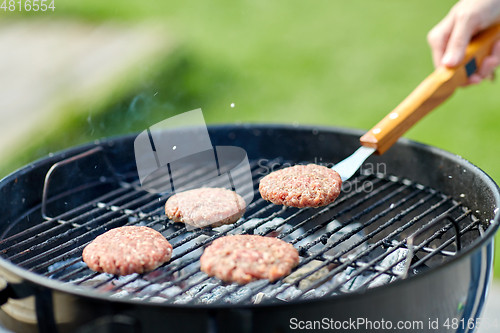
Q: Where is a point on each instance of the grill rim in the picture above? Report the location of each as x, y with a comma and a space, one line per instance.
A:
40, 280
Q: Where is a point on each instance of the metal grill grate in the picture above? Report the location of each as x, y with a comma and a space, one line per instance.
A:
357, 242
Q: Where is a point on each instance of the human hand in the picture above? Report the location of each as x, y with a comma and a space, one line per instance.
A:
450, 37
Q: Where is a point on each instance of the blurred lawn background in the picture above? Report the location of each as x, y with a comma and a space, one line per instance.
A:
334, 63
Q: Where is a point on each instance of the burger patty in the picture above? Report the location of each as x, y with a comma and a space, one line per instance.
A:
127, 250
301, 186
245, 258
205, 206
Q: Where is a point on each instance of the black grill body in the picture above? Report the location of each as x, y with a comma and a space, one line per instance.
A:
453, 289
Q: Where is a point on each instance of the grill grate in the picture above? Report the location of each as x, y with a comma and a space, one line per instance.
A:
355, 243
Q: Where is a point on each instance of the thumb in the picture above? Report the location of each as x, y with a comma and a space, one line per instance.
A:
459, 39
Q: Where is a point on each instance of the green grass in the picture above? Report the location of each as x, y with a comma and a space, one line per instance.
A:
338, 63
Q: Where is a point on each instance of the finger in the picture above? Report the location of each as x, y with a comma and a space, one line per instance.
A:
491, 77
488, 66
491, 62
438, 38
459, 39
475, 79
496, 50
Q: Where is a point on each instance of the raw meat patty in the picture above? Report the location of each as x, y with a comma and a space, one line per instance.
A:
301, 186
127, 250
245, 258
205, 206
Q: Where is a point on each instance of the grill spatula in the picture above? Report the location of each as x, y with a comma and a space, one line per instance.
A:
433, 91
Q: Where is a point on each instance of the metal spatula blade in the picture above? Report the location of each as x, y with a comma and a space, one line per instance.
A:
350, 165
433, 91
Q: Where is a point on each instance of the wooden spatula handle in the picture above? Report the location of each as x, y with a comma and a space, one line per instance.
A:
433, 91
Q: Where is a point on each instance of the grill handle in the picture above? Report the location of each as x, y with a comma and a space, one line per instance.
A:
11, 290
433, 91
410, 241
72, 159
6, 291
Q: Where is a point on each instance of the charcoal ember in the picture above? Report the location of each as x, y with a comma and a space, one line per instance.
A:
304, 283
396, 259
354, 239
255, 226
